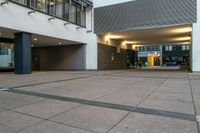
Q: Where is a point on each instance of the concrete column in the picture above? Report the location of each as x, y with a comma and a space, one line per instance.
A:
196, 42
22, 53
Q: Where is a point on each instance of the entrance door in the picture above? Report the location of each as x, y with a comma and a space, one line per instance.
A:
36, 63
156, 61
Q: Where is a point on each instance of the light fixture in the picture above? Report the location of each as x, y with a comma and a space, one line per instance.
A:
182, 30
35, 39
0, 33
182, 39
130, 42
32, 45
113, 37
60, 43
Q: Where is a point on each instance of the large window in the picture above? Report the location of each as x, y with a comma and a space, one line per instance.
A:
41, 5
81, 13
65, 9
72, 12
23, 2
59, 8
51, 7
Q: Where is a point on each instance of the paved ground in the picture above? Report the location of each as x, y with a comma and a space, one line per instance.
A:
123, 101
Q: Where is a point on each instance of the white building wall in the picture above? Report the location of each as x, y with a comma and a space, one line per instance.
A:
16, 17
196, 42
91, 47
100, 3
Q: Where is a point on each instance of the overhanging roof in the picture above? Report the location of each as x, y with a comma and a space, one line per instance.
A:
141, 14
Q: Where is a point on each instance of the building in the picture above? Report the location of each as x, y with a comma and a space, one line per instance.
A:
98, 34
164, 55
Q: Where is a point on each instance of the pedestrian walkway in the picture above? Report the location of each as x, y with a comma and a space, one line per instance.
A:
115, 101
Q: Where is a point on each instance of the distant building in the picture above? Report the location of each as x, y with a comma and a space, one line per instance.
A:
166, 55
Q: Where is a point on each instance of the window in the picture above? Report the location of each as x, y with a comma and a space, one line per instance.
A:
145, 48
51, 7
72, 12
23, 2
66, 10
170, 48
183, 47
187, 47
41, 5
83, 16
59, 8
166, 48
3, 51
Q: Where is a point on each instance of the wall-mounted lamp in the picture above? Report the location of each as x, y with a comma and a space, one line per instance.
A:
5, 2
52, 18
79, 27
30, 12
67, 23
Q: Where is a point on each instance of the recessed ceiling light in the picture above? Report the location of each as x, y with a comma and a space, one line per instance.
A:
59, 43
35, 39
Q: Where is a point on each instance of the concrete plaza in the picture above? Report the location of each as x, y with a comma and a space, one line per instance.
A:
118, 101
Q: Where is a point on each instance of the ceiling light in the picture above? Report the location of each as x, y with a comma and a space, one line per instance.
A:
0, 33
60, 43
182, 30
130, 42
35, 39
113, 37
182, 39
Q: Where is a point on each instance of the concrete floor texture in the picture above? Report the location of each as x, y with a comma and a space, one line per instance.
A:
112, 101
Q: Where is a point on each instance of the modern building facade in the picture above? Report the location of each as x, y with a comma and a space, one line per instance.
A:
98, 34
164, 55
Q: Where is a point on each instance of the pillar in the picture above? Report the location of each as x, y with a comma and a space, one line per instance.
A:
22, 53
195, 65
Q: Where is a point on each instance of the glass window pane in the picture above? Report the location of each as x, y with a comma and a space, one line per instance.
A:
83, 16
51, 7
66, 12
188, 47
170, 48
72, 12
59, 8
79, 14
42, 5
23, 2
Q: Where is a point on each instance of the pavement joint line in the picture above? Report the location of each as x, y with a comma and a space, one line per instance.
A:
43, 83
194, 105
73, 126
119, 89
144, 77
156, 112
134, 109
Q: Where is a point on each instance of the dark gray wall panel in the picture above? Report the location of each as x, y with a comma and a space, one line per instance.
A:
142, 14
105, 61
61, 57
